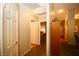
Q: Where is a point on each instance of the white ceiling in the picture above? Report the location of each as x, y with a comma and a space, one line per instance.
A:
36, 7
31, 5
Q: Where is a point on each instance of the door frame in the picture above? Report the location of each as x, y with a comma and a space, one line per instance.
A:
1, 27
48, 36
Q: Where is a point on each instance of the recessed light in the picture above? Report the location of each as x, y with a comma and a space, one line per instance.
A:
60, 11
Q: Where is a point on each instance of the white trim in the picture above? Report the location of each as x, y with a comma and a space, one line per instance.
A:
18, 26
26, 52
35, 43
48, 33
39, 32
1, 29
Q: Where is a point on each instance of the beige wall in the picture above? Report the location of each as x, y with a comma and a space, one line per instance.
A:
24, 29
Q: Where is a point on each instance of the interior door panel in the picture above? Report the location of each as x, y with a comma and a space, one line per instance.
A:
11, 28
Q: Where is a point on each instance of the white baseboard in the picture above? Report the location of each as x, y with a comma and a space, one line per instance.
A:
26, 52
36, 43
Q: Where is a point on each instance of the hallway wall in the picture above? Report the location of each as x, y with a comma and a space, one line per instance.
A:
24, 30
35, 32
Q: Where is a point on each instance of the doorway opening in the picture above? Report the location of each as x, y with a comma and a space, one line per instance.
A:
43, 36
38, 39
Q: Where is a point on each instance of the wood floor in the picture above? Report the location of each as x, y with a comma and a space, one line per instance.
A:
38, 50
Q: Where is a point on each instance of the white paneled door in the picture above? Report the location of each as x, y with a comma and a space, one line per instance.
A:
10, 29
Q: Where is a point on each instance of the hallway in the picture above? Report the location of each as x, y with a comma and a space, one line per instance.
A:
21, 25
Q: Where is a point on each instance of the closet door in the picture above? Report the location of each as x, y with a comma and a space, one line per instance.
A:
11, 29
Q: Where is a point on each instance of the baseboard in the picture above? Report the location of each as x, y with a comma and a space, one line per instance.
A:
36, 43
26, 52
